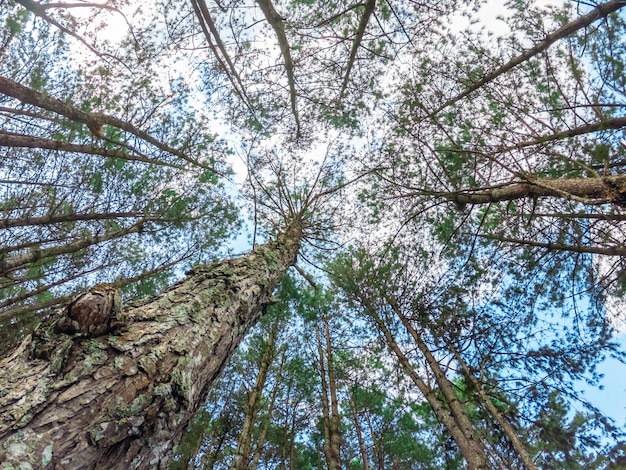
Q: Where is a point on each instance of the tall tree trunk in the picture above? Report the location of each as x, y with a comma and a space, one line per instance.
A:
335, 417
242, 457
506, 427
473, 454
268, 418
330, 409
457, 410
216, 443
123, 400
380, 455
359, 433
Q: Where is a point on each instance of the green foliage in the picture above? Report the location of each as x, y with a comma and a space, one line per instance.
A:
423, 125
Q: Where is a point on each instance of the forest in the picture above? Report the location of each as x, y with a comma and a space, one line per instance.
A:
312, 235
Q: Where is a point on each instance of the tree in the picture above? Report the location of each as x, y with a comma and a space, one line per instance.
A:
118, 399
526, 156
491, 165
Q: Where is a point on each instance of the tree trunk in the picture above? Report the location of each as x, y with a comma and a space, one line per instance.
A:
359, 433
330, 409
123, 400
242, 457
506, 427
268, 418
446, 387
470, 449
335, 417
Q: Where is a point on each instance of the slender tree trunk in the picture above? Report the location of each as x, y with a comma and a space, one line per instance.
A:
332, 438
268, 418
447, 388
292, 441
506, 427
284, 451
475, 457
359, 433
218, 438
123, 400
335, 417
380, 456
242, 457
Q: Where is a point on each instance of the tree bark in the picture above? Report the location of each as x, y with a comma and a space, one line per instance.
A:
123, 400
244, 446
359, 433
607, 190
330, 408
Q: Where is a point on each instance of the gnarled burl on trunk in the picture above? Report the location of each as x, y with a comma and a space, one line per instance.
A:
122, 399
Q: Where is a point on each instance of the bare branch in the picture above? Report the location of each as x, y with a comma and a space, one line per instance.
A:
612, 123
14, 262
616, 250
10, 139
205, 19
601, 11
94, 121
276, 21
370, 6
39, 10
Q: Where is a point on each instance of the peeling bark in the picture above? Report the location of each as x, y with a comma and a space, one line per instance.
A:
123, 400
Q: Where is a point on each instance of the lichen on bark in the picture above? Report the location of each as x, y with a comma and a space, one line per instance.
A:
122, 400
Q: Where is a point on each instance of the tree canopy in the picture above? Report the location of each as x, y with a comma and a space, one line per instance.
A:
455, 174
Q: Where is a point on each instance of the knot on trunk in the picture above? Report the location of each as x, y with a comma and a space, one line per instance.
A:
92, 312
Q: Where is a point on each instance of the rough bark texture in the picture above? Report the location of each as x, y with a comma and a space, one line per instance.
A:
607, 190
122, 401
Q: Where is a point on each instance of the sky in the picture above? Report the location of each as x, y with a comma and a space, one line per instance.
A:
612, 399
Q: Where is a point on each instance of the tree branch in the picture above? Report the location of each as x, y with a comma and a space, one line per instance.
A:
617, 250
607, 190
601, 11
276, 21
94, 121
205, 19
10, 139
370, 6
